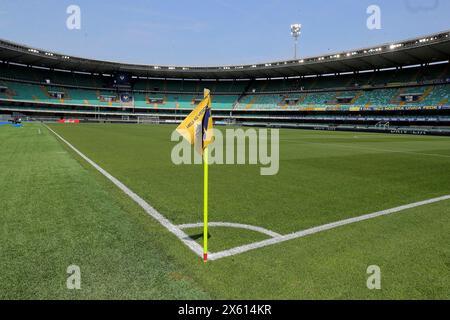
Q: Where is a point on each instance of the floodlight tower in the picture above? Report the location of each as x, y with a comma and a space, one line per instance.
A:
295, 32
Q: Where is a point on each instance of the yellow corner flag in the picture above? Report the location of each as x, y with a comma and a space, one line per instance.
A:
197, 129
198, 125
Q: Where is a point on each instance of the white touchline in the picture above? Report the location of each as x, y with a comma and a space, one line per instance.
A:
376, 149
276, 238
299, 234
194, 246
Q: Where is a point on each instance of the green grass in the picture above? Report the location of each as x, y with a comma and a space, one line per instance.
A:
60, 211
54, 213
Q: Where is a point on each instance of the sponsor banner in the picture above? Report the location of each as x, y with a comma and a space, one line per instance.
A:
69, 121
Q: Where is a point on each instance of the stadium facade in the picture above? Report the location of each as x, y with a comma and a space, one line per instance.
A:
400, 87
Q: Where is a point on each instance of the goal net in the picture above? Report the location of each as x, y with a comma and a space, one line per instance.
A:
148, 120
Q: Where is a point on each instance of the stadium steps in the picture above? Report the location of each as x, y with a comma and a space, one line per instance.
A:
45, 91
283, 104
395, 99
302, 98
66, 96
426, 93
333, 100
252, 102
9, 93
443, 102
357, 96
242, 95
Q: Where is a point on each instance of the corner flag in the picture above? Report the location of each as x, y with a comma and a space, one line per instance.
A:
198, 125
197, 129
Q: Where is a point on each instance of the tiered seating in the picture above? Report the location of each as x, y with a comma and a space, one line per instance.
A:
267, 102
40, 93
390, 97
270, 86
179, 101
292, 101
26, 92
311, 93
234, 86
224, 102
320, 98
323, 82
377, 97
85, 97
439, 96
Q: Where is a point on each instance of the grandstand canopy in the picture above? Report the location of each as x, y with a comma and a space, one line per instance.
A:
423, 50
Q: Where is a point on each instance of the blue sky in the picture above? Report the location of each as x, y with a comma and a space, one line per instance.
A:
213, 32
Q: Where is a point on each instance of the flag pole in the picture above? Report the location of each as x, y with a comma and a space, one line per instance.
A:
205, 204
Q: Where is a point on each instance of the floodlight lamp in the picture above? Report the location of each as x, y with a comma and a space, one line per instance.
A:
296, 30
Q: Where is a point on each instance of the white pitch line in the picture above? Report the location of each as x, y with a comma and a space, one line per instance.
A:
198, 250
194, 246
232, 225
377, 149
300, 234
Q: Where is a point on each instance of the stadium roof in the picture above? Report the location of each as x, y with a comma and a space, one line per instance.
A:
423, 50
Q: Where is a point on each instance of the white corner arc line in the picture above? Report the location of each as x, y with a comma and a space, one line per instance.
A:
300, 234
190, 243
232, 225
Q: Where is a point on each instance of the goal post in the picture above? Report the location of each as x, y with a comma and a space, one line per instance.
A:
148, 120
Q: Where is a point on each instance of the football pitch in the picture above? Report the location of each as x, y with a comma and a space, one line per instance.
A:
58, 210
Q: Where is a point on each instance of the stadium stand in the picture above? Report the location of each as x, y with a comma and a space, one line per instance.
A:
313, 89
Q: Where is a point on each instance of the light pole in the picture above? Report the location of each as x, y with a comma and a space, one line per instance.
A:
295, 32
